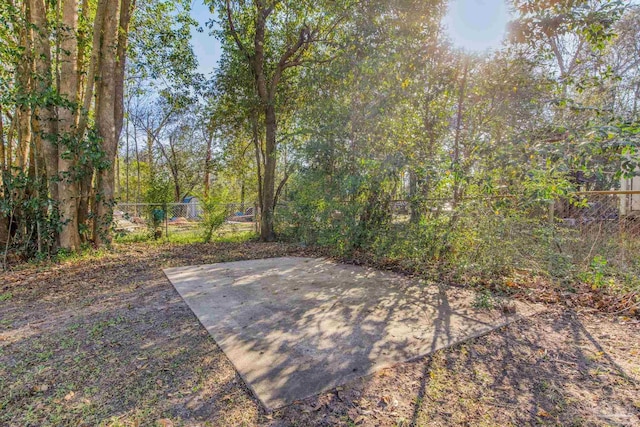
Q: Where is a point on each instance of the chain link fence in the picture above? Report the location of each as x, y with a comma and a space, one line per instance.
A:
165, 219
611, 212
592, 231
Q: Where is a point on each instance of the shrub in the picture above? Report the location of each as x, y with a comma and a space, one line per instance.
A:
214, 213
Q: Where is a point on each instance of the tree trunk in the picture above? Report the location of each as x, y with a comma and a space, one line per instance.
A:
126, 10
457, 170
126, 162
267, 233
89, 90
414, 204
24, 81
4, 221
68, 186
257, 143
84, 202
106, 126
138, 174
207, 165
150, 156
43, 116
3, 164
176, 189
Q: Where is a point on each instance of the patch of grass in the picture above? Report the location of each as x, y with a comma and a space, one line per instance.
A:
99, 327
43, 356
484, 300
161, 364
6, 296
229, 233
84, 254
68, 342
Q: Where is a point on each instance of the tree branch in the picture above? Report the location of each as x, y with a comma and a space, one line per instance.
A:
280, 188
234, 33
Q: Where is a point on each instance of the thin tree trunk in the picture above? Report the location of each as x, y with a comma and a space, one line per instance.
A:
3, 164
138, 181
10, 136
457, 169
4, 221
150, 156
414, 205
24, 83
207, 165
456, 141
98, 23
126, 162
242, 194
116, 188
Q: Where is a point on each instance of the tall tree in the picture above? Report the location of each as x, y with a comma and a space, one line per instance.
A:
272, 37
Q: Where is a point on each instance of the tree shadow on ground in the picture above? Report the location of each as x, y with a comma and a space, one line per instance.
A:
294, 327
114, 344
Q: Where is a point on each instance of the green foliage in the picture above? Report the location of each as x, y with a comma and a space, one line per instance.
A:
33, 219
484, 300
596, 274
214, 213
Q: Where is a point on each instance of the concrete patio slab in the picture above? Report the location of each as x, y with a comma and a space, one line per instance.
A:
294, 327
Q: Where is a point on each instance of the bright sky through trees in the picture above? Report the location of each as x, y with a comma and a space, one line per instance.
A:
206, 47
474, 25
477, 25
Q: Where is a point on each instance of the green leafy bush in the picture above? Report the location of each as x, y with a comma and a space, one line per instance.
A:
214, 213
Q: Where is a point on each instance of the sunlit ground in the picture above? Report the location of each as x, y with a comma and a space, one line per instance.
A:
190, 233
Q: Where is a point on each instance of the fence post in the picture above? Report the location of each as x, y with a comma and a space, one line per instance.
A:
256, 217
166, 220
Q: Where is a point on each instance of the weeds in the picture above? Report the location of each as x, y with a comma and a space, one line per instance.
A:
484, 300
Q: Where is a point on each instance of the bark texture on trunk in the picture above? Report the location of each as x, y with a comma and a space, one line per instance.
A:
2, 150
68, 186
267, 232
110, 109
24, 84
106, 126
43, 116
4, 221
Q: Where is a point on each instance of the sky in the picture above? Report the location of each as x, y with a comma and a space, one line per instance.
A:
477, 25
473, 25
206, 47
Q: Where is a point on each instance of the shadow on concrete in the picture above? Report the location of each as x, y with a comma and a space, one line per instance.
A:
124, 341
294, 327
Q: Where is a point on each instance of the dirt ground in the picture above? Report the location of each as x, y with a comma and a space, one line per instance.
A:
108, 341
